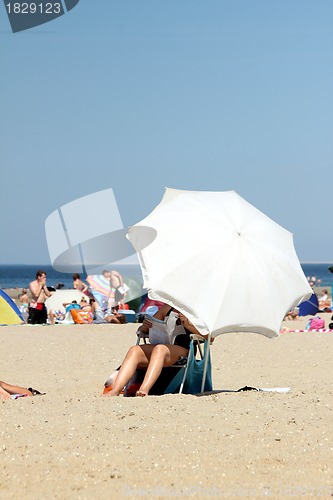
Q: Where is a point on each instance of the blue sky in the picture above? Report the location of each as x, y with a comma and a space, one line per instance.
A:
191, 94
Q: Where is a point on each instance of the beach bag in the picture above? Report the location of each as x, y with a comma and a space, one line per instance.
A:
194, 374
81, 317
315, 324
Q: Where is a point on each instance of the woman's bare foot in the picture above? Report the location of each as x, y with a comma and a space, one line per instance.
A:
111, 393
141, 394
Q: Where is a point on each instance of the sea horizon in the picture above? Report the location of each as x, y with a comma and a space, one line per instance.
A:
20, 275
330, 263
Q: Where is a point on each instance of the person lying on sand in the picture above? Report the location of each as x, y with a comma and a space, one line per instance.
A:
154, 357
6, 390
114, 316
292, 314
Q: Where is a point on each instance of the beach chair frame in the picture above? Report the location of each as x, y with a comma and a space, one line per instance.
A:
190, 375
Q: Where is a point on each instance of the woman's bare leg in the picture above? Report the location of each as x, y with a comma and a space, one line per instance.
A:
137, 355
161, 356
4, 394
14, 389
52, 317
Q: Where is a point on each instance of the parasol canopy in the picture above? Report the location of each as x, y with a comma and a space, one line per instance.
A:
220, 261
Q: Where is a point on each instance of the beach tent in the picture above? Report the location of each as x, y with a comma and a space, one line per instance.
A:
309, 307
9, 312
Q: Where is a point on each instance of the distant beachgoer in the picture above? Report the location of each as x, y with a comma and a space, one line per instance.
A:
110, 315
292, 314
94, 306
39, 294
6, 390
85, 305
323, 301
114, 316
56, 316
116, 296
71, 305
24, 307
78, 284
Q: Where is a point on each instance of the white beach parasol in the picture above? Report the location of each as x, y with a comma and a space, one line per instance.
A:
59, 297
224, 264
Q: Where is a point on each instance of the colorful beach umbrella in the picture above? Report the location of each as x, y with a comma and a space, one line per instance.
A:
99, 283
100, 287
220, 261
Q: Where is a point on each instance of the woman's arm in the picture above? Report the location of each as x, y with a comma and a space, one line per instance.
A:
190, 327
160, 314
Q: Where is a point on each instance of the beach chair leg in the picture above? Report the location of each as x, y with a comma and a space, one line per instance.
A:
207, 350
183, 380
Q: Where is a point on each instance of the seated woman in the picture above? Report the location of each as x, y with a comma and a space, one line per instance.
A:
324, 301
85, 305
154, 357
6, 390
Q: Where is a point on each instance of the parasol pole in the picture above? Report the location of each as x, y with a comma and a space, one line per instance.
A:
205, 363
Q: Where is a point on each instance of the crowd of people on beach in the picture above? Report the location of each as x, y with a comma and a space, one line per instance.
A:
34, 308
34, 311
152, 356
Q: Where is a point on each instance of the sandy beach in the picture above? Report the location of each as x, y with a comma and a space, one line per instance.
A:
73, 443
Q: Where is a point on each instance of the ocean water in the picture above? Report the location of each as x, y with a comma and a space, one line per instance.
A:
19, 276
321, 273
